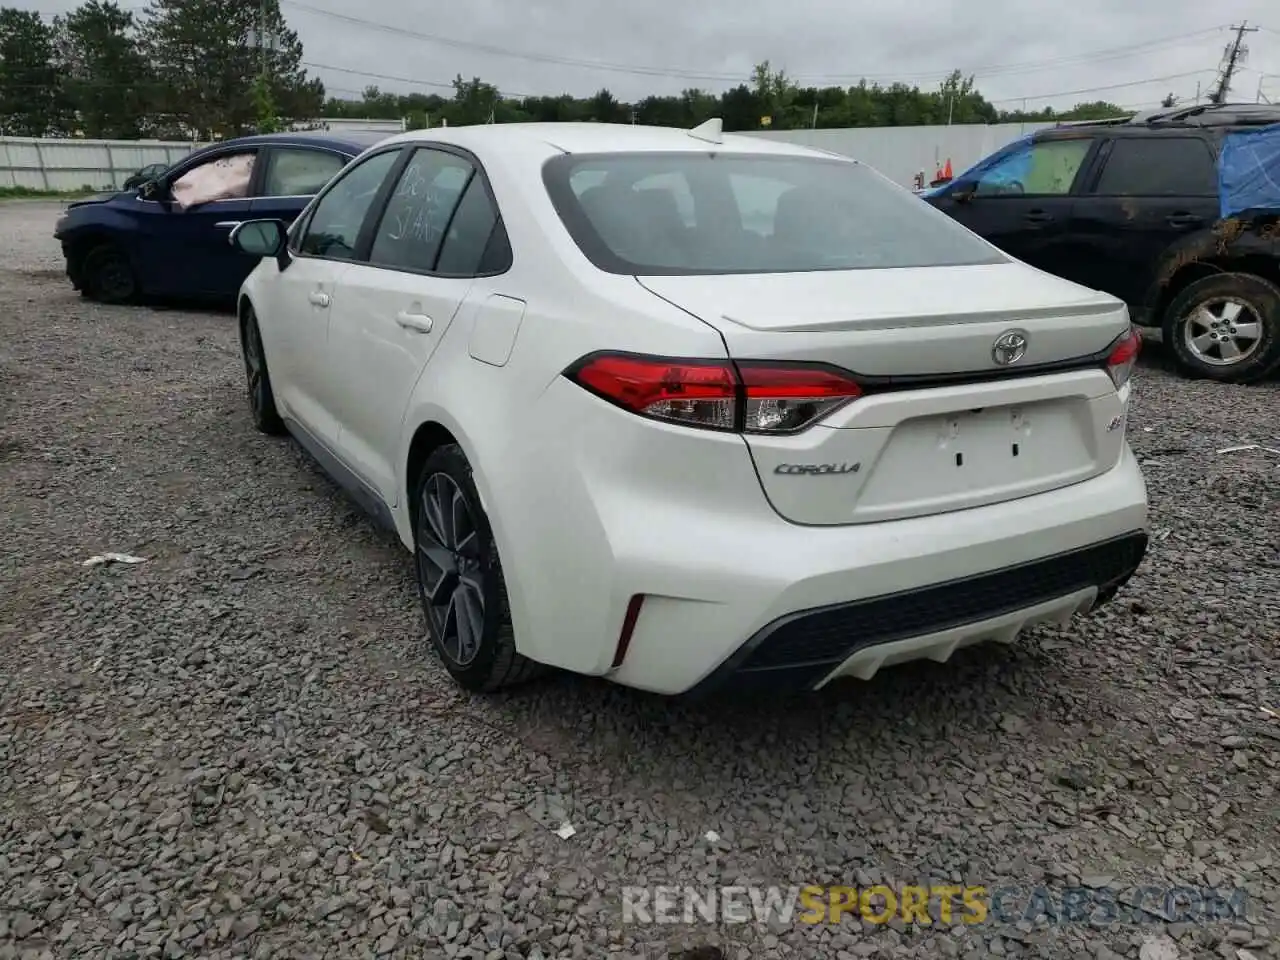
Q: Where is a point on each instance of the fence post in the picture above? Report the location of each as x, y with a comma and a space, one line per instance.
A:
44, 174
8, 164
111, 170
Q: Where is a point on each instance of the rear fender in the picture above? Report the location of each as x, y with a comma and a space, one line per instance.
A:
1229, 246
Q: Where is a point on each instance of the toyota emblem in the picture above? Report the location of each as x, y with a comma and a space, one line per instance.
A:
1010, 347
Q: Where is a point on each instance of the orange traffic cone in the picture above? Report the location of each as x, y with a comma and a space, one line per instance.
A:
946, 171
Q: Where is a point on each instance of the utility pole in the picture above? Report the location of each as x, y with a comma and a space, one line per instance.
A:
266, 40
1234, 55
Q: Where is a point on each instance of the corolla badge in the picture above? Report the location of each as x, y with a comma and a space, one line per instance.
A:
1010, 347
816, 469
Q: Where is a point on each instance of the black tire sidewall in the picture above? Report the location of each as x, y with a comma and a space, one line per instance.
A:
95, 260
266, 418
476, 674
1263, 298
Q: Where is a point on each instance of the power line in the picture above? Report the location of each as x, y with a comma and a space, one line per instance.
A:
1110, 86
641, 70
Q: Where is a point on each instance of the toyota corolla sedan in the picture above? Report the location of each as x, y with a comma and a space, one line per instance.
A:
690, 411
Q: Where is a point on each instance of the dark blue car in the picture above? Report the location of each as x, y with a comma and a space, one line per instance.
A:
169, 238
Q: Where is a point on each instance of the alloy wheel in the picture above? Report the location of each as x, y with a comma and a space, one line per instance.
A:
254, 366
449, 559
1222, 332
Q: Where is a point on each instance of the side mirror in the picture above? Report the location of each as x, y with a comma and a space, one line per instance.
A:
963, 192
149, 189
261, 238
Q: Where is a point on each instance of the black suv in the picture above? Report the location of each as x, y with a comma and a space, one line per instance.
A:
1131, 207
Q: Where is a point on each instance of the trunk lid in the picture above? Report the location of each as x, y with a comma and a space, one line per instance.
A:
903, 450
904, 322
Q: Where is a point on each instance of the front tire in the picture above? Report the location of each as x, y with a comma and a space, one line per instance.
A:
460, 582
107, 275
1226, 328
262, 400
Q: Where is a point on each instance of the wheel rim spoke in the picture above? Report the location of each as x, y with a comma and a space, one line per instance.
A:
469, 612
452, 638
1203, 318
1203, 342
469, 545
1249, 330
434, 522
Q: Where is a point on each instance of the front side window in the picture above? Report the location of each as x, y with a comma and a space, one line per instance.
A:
717, 213
1047, 168
225, 177
334, 226
299, 171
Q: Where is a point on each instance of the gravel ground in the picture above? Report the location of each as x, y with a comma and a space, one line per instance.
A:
241, 748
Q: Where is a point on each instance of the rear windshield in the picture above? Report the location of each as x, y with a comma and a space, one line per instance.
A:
661, 214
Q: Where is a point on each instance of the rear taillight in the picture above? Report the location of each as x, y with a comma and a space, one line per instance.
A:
750, 397
1123, 356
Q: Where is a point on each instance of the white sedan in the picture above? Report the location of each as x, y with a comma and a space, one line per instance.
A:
687, 410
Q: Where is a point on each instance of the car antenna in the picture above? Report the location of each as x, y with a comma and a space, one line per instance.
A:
710, 131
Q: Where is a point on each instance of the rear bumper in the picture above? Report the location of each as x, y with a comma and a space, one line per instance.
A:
803, 650
778, 607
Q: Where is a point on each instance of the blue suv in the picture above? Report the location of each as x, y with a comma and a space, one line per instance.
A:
170, 237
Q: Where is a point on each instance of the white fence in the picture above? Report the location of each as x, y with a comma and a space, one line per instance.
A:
65, 164
901, 152
897, 152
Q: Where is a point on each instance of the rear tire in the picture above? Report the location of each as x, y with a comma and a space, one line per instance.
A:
1226, 328
107, 275
262, 401
460, 582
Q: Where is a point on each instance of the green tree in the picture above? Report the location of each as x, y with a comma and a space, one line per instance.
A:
473, 102
104, 74
774, 92
206, 67
605, 108
31, 97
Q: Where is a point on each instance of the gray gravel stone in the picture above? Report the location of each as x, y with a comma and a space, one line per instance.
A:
241, 748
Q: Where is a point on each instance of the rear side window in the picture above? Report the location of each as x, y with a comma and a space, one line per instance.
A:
717, 213
299, 172
1159, 167
419, 211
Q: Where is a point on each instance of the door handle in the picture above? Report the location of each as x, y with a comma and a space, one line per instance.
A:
1038, 216
1184, 220
227, 224
318, 299
416, 322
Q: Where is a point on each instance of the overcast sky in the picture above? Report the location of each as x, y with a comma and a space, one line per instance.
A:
1131, 53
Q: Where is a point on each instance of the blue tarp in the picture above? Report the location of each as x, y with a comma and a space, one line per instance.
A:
1249, 171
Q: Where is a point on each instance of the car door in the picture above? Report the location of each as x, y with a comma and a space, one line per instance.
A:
1145, 193
292, 175
296, 314
435, 236
1023, 202
183, 243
